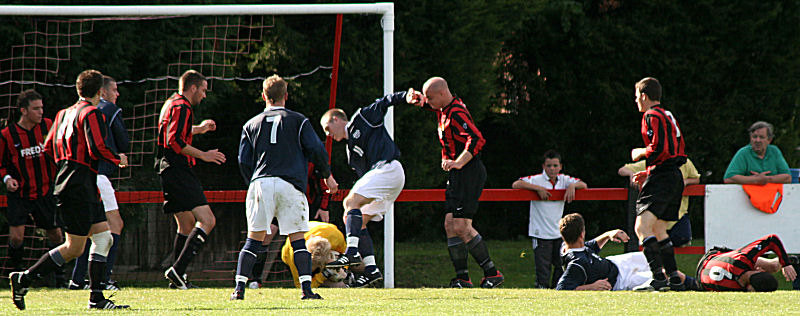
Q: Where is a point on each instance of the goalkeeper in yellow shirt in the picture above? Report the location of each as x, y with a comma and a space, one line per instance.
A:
325, 242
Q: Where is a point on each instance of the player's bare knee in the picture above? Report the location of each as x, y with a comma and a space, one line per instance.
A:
448, 226
351, 202
72, 250
208, 222
205, 217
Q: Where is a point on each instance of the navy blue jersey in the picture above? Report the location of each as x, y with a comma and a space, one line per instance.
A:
585, 266
368, 141
279, 143
117, 138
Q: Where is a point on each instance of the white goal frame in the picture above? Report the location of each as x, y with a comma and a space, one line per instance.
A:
385, 9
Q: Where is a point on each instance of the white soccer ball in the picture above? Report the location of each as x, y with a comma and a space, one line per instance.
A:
335, 275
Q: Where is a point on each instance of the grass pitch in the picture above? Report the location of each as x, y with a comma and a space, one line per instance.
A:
425, 301
422, 269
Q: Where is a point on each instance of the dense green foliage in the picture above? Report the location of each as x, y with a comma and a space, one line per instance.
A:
535, 74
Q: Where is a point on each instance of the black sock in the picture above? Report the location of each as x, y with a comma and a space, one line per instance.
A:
352, 227
112, 257
48, 262
58, 272
258, 267
478, 249
247, 258
458, 255
652, 254
194, 243
667, 253
367, 253
302, 261
15, 253
97, 270
81, 266
177, 246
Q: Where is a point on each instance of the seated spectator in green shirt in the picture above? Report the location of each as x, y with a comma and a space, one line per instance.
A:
759, 162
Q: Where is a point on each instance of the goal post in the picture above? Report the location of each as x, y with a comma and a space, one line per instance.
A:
385, 9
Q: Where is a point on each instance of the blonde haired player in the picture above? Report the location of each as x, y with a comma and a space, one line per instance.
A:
325, 242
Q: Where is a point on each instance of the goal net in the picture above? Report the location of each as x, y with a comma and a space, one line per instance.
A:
234, 46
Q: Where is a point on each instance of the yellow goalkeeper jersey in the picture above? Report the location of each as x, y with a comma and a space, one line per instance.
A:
324, 230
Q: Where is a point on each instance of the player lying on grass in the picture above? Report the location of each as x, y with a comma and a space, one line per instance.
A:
584, 269
743, 269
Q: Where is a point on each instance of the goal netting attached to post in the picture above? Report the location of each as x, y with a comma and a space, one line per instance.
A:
221, 40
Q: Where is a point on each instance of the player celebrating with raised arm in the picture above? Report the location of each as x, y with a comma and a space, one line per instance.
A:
274, 151
28, 175
76, 143
183, 194
660, 196
461, 143
373, 155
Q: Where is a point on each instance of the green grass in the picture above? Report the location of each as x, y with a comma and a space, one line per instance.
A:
504, 301
426, 268
428, 264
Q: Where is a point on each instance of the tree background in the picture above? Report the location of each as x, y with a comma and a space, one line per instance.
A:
536, 75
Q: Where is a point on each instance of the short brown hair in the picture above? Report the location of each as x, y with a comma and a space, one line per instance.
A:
107, 80
761, 124
651, 87
275, 88
763, 282
571, 227
26, 97
551, 154
190, 78
337, 113
89, 83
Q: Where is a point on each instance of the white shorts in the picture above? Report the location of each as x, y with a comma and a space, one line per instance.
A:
107, 193
633, 270
273, 197
383, 184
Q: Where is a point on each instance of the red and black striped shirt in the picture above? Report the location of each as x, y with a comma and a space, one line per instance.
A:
662, 136
78, 135
23, 158
175, 130
721, 271
457, 131
317, 198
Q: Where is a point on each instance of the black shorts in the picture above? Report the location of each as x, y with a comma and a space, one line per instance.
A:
182, 190
78, 215
42, 209
464, 187
661, 193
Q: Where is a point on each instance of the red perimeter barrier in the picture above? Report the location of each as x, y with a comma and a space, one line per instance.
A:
424, 195
408, 195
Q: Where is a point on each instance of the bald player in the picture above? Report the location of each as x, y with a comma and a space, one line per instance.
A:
461, 144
